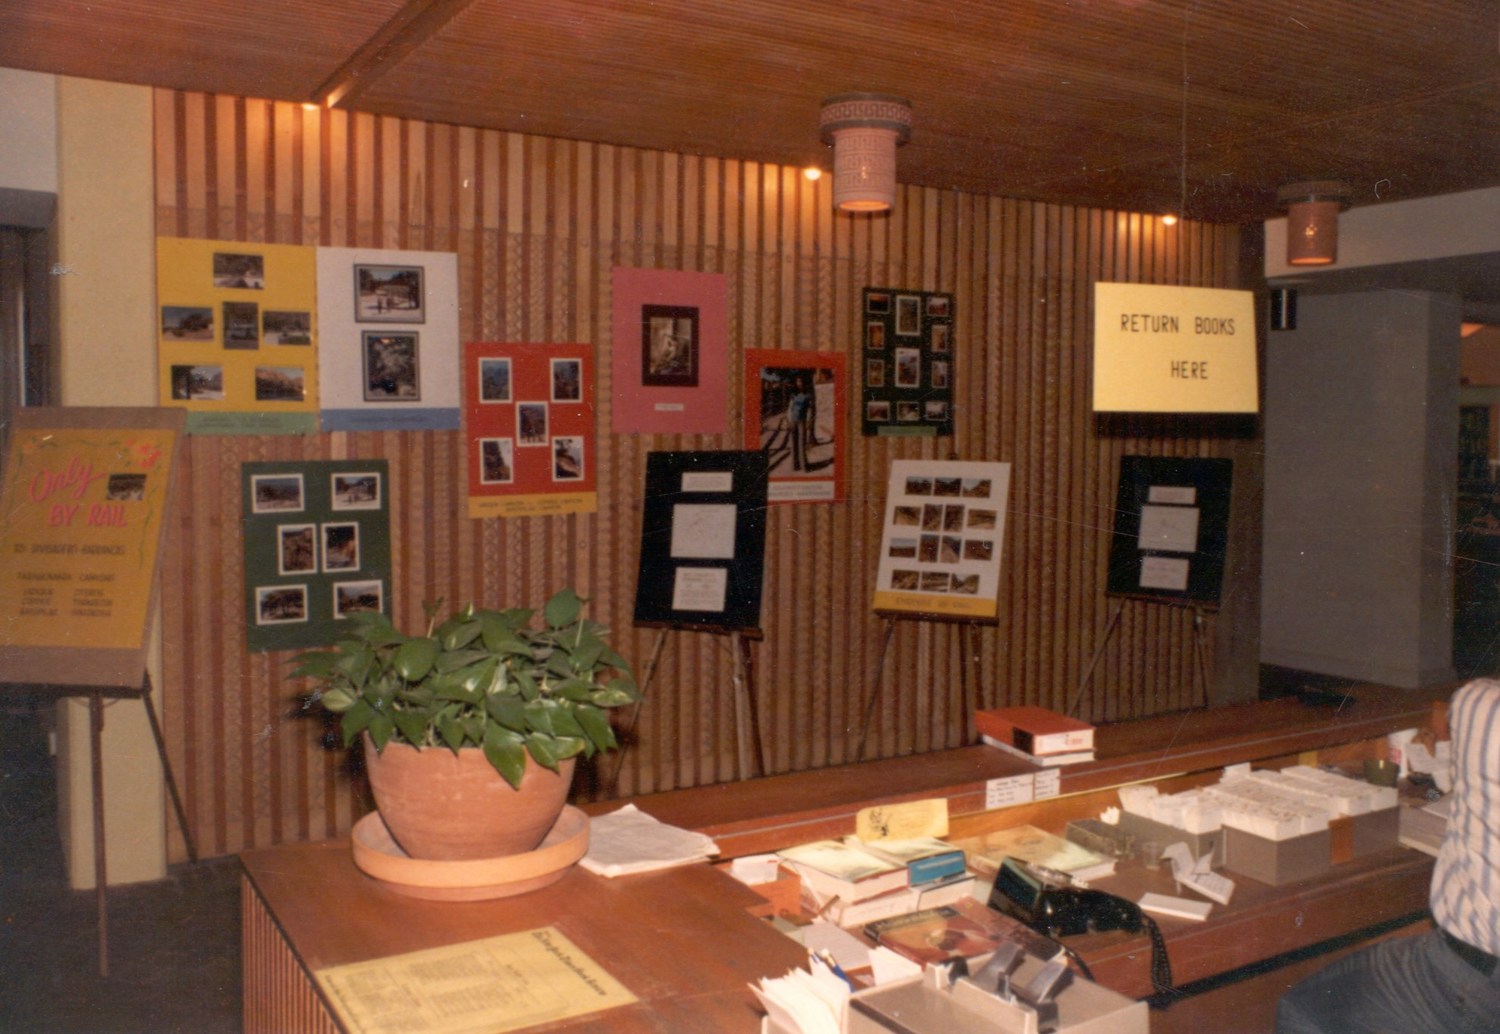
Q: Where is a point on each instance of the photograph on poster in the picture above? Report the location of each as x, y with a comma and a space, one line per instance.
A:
567, 380
279, 384
187, 322
567, 458
392, 367
281, 327
669, 345
875, 335
357, 490
125, 488
875, 372
353, 597
796, 442
198, 381
908, 368
496, 461
341, 547
241, 325
280, 604
1171, 529
494, 380
531, 423
908, 315
940, 337
239, 271
877, 301
389, 294
298, 552
276, 493
877, 411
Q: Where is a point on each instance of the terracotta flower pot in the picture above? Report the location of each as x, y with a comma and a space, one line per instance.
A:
446, 806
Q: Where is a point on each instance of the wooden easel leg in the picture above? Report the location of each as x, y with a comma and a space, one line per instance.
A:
747, 728
1198, 623
101, 880
166, 768
635, 712
885, 643
1109, 627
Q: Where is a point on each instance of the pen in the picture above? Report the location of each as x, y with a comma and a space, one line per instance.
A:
826, 957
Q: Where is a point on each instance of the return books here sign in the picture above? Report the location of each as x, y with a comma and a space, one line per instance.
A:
1164, 349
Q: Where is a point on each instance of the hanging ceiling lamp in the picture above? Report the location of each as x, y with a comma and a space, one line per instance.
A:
1312, 221
864, 129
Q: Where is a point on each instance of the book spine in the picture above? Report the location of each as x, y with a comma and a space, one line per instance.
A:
935, 867
1040, 743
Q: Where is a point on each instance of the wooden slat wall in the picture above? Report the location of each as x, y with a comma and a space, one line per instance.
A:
538, 224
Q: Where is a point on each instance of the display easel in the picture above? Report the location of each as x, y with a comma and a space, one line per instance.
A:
968, 639
82, 521
1200, 663
748, 745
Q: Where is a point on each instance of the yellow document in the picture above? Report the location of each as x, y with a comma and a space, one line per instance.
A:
905, 821
481, 987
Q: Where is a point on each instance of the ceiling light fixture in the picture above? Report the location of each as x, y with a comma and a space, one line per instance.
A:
1312, 221
864, 129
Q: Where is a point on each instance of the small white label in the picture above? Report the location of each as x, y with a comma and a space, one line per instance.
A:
1002, 793
669, 407
1048, 783
708, 481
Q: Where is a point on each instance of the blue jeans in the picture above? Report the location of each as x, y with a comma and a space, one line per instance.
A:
1408, 985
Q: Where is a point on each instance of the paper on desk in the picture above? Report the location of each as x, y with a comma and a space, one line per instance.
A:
847, 950
886, 966
630, 841
804, 1002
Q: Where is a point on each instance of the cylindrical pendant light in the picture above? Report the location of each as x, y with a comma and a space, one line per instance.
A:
1312, 221
864, 129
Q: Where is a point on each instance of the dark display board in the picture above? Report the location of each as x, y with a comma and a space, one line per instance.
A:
1171, 529
703, 537
317, 549
907, 362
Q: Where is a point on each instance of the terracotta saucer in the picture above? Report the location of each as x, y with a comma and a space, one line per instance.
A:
478, 879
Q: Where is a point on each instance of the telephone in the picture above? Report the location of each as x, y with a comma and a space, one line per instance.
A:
1064, 911
1059, 911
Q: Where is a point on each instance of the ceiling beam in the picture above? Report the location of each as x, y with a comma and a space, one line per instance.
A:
408, 29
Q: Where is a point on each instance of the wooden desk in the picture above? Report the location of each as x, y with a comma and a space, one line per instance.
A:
681, 941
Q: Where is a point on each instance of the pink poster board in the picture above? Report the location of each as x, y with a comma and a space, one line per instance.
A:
669, 365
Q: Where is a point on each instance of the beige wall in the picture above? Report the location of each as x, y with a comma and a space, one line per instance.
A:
106, 297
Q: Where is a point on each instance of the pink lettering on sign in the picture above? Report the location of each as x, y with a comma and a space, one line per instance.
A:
75, 478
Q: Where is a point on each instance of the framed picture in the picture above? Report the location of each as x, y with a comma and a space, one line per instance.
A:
341, 547
531, 423
389, 294
497, 464
187, 322
297, 549
908, 315
276, 493
567, 458
567, 380
239, 271
285, 327
669, 346
241, 325
353, 597
200, 382
280, 604
494, 380
355, 490
392, 367
279, 384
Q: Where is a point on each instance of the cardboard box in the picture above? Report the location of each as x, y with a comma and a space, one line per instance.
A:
1144, 829
1277, 861
1356, 835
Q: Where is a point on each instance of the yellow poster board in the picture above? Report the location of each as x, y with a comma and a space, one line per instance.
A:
1161, 349
82, 515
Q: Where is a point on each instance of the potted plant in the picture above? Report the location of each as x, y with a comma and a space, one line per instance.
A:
471, 729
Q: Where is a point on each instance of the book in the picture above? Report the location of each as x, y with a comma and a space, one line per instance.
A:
963, 929
927, 859
903, 901
1035, 730
1037, 847
835, 869
1045, 760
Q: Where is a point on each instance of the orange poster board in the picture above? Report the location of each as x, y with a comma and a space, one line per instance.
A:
82, 514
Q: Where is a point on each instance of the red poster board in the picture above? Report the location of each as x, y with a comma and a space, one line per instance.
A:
83, 514
794, 413
669, 352
530, 429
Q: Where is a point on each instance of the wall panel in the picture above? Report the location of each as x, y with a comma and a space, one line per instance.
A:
538, 225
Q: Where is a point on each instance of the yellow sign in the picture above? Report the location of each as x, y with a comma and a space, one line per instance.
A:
81, 518
1164, 349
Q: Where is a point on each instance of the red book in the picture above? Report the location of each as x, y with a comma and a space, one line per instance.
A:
1035, 730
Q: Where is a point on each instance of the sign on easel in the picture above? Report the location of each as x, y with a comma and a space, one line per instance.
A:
944, 529
82, 518
1171, 529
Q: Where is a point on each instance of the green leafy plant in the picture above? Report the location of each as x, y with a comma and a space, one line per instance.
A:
479, 678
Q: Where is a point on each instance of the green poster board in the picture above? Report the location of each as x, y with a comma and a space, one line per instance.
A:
317, 549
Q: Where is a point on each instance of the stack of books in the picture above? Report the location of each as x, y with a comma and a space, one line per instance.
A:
851, 882
1036, 734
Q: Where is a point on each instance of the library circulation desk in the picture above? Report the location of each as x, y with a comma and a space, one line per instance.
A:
684, 941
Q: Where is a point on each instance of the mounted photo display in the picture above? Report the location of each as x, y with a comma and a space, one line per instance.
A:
703, 538
317, 549
944, 533
794, 413
1171, 529
907, 362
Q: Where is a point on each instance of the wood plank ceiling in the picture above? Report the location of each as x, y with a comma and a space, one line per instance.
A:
1202, 106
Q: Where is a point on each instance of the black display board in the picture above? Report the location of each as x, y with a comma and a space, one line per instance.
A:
703, 537
907, 362
1171, 529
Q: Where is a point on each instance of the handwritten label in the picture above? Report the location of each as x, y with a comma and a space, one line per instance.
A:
1048, 783
1012, 790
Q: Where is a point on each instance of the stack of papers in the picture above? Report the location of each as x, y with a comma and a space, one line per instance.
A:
629, 841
